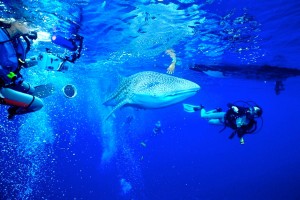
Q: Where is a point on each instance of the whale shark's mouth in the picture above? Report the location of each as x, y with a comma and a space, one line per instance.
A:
162, 100
183, 92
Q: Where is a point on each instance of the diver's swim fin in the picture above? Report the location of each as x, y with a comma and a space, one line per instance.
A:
43, 91
190, 108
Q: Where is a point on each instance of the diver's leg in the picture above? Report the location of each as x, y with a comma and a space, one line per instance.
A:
212, 114
211, 111
22, 103
216, 121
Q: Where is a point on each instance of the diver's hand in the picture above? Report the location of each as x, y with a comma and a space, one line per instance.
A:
18, 80
32, 35
171, 68
172, 55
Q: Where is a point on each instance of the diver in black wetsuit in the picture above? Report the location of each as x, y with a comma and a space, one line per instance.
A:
240, 119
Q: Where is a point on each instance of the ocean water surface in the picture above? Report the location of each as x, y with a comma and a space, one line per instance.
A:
68, 150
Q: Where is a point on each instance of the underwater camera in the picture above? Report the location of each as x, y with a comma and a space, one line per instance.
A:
74, 44
50, 61
71, 44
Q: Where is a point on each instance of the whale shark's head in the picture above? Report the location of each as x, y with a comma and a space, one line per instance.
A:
155, 90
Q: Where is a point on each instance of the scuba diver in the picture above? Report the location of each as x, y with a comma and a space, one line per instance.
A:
15, 41
14, 91
239, 118
157, 128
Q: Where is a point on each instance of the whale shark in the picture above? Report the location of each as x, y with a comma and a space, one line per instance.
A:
149, 89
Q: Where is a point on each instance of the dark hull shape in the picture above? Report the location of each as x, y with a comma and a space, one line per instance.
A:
253, 72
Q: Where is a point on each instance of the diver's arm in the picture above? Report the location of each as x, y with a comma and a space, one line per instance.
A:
17, 28
171, 68
172, 54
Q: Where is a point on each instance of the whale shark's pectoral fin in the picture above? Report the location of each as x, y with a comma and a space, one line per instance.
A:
119, 105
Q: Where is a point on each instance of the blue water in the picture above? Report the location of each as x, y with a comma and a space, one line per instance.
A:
68, 151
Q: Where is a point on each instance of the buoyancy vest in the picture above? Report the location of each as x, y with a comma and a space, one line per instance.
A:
10, 51
231, 117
